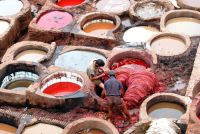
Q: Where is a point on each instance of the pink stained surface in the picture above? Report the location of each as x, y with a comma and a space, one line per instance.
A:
54, 20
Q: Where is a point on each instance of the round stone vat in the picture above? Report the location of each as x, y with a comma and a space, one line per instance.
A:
69, 3
133, 56
50, 24
112, 6
4, 27
149, 10
133, 34
99, 24
15, 78
195, 109
59, 88
143, 126
165, 105
62, 84
8, 124
79, 58
19, 11
169, 45
189, 4
56, 20
181, 21
42, 128
14, 6
92, 125
29, 51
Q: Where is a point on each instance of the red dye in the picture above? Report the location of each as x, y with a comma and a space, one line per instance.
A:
129, 61
199, 117
140, 84
64, 3
62, 89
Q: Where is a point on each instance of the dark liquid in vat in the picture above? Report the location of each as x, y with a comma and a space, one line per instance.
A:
19, 85
166, 110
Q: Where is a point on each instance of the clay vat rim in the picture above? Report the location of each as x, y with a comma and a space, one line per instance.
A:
81, 84
195, 109
140, 54
43, 12
133, 7
182, 4
99, 15
143, 114
94, 121
184, 38
40, 71
177, 14
11, 24
19, 47
68, 7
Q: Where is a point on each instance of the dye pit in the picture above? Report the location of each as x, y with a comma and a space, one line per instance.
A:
69, 3
28, 55
166, 110
42, 128
14, 6
98, 27
184, 25
90, 131
7, 129
140, 79
4, 26
77, 59
56, 20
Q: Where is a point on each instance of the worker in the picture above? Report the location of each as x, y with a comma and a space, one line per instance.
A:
114, 89
95, 72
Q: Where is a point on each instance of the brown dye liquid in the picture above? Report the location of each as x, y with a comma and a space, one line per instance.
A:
19, 85
166, 110
168, 46
91, 131
99, 27
7, 129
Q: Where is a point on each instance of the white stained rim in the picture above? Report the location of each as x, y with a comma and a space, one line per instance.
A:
21, 75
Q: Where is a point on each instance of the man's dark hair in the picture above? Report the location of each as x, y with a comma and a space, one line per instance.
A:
100, 62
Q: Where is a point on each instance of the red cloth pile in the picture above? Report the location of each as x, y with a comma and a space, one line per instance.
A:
139, 82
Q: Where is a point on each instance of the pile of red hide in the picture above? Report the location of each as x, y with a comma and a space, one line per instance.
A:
139, 82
